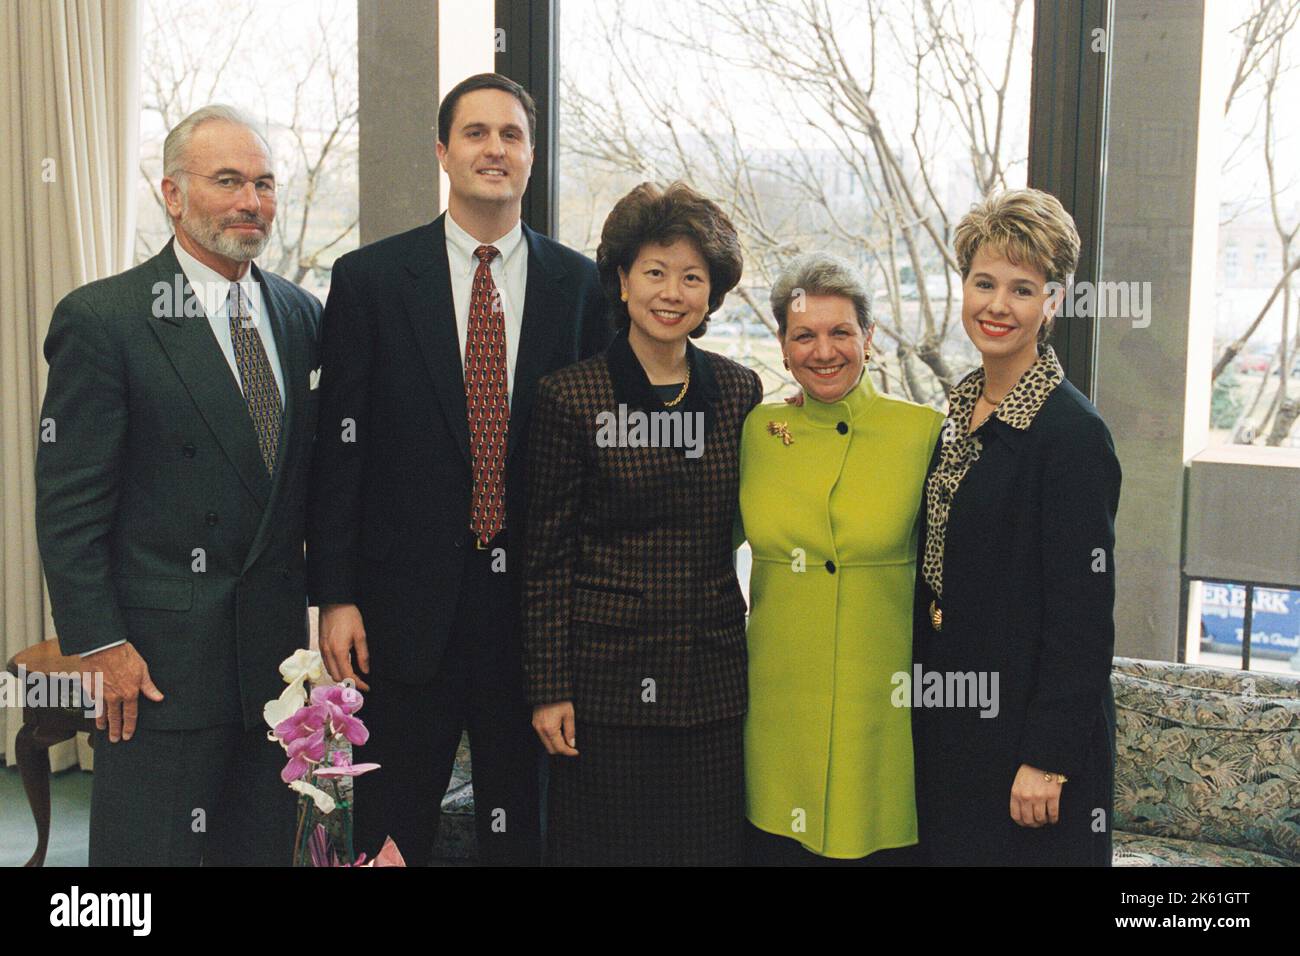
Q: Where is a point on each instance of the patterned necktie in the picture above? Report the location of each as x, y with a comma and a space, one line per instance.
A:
486, 400
260, 389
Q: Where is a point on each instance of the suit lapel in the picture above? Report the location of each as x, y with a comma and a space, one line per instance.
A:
426, 294
201, 365
544, 311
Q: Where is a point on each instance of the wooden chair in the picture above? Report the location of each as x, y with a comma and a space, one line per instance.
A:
42, 728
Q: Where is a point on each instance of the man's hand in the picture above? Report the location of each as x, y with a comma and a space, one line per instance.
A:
554, 725
1035, 802
342, 634
125, 677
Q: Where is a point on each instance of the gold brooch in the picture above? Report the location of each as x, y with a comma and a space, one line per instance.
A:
782, 429
936, 616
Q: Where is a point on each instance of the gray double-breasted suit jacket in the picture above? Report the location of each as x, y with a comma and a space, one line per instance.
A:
157, 520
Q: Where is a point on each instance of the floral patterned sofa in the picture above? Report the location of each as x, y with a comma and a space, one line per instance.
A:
1207, 768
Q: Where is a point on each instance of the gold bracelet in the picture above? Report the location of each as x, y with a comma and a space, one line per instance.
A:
1055, 777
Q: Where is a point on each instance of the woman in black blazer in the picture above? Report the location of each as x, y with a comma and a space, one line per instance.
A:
634, 633
1013, 719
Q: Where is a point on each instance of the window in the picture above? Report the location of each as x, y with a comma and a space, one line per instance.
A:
1257, 332
1274, 627
291, 65
922, 110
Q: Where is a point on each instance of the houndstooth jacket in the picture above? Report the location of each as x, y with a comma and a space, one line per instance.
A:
631, 606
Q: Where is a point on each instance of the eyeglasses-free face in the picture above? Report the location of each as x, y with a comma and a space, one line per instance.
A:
487, 157
1003, 306
666, 290
825, 347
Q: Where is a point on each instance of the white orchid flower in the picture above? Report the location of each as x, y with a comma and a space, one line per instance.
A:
287, 704
303, 665
324, 802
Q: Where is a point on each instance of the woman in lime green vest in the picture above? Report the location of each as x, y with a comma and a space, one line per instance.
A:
830, 493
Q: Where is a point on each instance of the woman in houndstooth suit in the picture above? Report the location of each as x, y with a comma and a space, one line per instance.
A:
634, 638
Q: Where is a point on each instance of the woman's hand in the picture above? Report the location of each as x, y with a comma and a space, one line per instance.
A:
1034, 800
554, 725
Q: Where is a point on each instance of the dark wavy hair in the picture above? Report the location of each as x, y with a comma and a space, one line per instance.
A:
651, 214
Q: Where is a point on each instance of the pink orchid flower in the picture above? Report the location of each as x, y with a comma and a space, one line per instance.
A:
339, 703
304, 753
303, 737
350, 770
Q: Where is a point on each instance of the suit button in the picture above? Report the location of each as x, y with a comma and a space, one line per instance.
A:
830, 567
842, 428
188, 451
210, 518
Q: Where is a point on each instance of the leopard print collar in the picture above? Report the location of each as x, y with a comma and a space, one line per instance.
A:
1019, 407
959, 449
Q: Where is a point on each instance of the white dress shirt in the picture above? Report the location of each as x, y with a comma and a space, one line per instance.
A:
509, 273
212, 290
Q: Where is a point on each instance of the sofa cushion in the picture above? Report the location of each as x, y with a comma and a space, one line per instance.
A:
1246, 683
1207, 766
1136, 849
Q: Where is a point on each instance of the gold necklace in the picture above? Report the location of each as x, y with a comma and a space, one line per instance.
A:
685, 385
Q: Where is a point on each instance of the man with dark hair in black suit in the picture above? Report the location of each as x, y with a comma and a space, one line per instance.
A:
170, 511
432, 345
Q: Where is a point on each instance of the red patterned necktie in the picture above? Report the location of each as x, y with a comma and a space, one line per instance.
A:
486, 400
255, 375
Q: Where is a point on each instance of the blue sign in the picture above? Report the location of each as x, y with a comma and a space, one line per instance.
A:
1274, 627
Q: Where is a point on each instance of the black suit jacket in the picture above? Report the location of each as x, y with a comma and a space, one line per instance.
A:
389, 514
1028, 595
156, 518
630, 572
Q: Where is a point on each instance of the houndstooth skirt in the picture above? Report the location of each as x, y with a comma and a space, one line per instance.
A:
649, 796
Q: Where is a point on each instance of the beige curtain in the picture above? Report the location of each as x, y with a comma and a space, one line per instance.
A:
69, 129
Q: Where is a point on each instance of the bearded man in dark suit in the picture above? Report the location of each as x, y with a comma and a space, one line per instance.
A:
171, 501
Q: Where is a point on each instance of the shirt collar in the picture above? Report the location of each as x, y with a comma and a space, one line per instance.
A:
1020, 405
461, 245
852, 406
211, 287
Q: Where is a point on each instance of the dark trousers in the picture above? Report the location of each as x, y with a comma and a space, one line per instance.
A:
185, 797
416, 728
768, 849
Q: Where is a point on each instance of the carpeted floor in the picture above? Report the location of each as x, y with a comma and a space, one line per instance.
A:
69, 819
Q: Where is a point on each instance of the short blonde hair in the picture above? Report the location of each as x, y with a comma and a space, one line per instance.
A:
1029, 228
